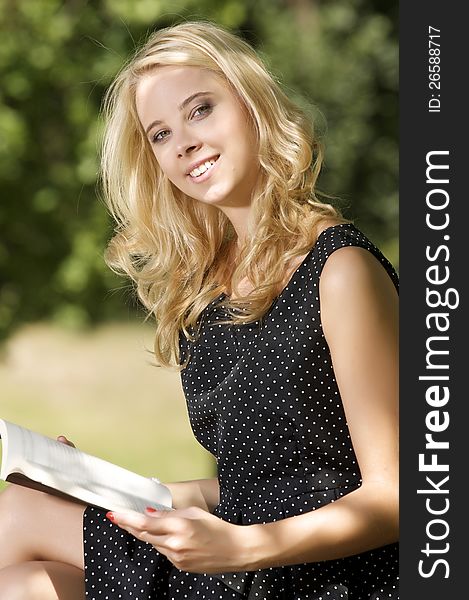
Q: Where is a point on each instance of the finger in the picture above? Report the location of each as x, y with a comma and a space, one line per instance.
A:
156, 531
131, 519
144, 536
155, 512
160, 542
63, 440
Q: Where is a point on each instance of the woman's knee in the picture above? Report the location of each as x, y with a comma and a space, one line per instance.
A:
39, 526
17, 582
16, 503
23, 581
37, 580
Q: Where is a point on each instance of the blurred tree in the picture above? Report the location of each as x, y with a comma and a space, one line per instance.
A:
343, 57
56, 59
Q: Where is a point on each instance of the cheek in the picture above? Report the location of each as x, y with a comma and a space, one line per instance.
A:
247, 154
165, 165
246, 139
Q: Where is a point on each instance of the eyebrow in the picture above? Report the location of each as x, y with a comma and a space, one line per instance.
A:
182, 106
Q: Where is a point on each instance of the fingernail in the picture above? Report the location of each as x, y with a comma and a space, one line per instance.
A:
150, 509
110, 516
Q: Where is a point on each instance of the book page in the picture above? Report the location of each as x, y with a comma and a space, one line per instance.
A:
75, 473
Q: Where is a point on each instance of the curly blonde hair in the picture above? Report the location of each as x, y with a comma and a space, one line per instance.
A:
179, 253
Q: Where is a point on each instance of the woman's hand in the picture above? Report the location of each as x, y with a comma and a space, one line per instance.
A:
191, 538
63, 440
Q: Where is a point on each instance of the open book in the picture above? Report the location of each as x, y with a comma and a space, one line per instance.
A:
42, 463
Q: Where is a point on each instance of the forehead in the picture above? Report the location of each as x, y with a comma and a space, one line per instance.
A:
167, 86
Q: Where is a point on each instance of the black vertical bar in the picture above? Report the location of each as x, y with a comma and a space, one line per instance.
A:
434, 239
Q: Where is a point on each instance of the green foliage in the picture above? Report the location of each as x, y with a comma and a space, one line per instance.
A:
56, 59
343, 57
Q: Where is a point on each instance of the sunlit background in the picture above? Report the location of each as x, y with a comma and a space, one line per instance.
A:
74, 348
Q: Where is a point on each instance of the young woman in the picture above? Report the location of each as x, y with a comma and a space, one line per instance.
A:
282, 317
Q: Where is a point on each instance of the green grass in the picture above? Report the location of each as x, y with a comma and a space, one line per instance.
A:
101, 391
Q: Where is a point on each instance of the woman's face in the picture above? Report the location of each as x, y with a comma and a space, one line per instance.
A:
200, 134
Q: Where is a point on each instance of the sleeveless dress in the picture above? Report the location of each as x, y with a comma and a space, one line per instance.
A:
263, 399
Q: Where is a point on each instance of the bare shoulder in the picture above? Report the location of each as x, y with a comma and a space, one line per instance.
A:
357, 295
354, 268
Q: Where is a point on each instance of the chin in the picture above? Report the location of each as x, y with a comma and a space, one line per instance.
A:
215, 199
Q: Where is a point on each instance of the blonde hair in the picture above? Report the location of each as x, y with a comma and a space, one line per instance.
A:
177, 251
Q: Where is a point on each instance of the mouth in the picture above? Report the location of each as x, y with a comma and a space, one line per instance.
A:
203, 168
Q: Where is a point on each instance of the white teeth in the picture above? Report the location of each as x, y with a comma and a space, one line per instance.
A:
202, 168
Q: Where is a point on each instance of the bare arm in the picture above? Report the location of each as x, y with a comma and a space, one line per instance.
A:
203, 493
360, 321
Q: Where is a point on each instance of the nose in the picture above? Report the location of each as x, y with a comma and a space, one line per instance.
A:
187, 146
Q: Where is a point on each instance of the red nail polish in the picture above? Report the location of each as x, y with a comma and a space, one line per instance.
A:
110, 516
150, 509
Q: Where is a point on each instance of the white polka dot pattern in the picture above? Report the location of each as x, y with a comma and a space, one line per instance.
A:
263, 399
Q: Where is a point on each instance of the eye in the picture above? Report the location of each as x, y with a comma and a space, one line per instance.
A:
160, 136
201, 110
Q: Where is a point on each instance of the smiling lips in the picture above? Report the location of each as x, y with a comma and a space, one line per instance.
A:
203, 167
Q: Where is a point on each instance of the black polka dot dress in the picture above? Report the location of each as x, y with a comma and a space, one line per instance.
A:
263, 399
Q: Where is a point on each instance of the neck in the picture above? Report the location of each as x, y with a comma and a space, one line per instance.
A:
239, 218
